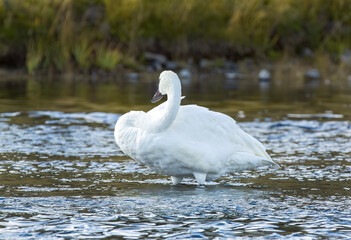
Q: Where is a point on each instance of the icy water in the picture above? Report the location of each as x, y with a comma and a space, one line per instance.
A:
63, 177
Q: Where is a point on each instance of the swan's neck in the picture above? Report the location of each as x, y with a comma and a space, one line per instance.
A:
169, 113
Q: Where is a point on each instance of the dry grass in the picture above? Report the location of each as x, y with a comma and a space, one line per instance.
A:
57, 33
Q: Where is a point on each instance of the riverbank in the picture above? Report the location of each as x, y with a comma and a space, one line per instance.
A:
89, 37
318, 68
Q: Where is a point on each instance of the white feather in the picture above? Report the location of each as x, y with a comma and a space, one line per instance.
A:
187, 140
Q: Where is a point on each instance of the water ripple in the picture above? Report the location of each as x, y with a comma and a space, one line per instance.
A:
62, 176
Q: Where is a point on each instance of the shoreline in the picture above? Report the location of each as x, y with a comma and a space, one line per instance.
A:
320, 67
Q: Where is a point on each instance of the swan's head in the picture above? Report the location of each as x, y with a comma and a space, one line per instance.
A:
169, 83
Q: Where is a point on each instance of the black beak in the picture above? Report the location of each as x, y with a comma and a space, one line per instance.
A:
156, 97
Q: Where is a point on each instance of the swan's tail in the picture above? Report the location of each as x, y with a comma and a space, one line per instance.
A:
244, 161
253, 156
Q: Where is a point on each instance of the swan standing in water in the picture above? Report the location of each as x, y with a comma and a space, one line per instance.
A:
189, 140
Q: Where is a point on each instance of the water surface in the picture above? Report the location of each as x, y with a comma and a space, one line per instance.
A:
62, 176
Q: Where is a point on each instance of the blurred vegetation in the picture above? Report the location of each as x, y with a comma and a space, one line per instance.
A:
83, 35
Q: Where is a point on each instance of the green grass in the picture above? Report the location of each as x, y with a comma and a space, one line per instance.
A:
107, 58
81, 31
82, 52
33, 57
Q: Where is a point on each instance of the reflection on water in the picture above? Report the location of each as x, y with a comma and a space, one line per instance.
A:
258, 99
62, 176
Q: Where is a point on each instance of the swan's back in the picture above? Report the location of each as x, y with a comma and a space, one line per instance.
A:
205, 141
215, 128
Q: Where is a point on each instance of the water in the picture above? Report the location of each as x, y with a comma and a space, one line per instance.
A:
62, 176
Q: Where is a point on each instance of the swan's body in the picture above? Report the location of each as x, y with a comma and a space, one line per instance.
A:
188, 140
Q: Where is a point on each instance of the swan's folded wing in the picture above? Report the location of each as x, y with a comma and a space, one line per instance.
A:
219, 138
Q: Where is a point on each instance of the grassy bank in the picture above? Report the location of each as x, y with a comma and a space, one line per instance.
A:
85, 35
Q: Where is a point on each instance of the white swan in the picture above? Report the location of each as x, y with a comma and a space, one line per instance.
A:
189, 140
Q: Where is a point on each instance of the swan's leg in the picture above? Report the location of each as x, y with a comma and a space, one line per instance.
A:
176, 180
200, 177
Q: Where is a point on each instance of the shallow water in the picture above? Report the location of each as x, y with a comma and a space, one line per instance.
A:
62, 176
